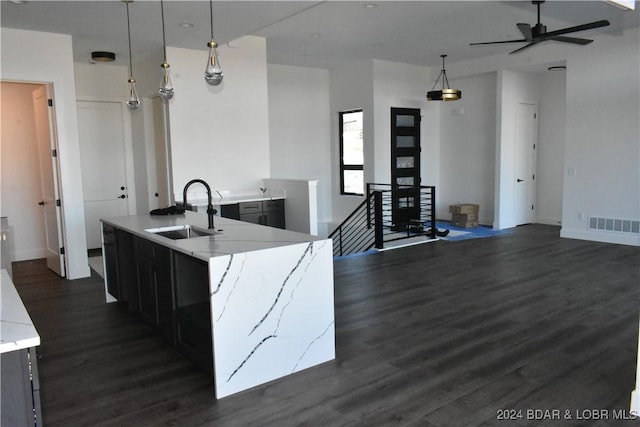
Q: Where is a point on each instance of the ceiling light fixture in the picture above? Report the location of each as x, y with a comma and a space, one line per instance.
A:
446, 93
212, 72
133, 101
166, 88
99, 56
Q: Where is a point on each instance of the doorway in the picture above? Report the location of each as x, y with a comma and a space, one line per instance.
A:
31, 191
104, 172
525, 164
405, 166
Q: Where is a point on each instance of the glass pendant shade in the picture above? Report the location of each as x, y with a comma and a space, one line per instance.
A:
166, 88
213, 72
133, 102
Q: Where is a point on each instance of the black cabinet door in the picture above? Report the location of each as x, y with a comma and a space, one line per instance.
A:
164, 297
146, 291
127, 282
110, 254
111, 272
230, 211
273, 213
254, 218
274, 219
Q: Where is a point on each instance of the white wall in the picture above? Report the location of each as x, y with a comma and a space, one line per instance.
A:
108, 83
467, 147
403, 86
21, 176
46, 57
602, 155
351, 89
220, 134
551, 129
300, 129
513, 88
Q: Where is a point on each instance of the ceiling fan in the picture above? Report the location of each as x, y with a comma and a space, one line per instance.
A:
538, 33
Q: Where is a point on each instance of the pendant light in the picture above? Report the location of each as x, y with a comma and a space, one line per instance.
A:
446, 93
212, 72
166, 88
133, 101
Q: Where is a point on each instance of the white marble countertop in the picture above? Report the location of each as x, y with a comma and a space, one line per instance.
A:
16, 328
233, 237
197, 197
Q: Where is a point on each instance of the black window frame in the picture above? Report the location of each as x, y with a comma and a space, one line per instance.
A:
344, 167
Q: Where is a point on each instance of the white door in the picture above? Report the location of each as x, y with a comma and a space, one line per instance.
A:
525, 164
47, 146
102, 157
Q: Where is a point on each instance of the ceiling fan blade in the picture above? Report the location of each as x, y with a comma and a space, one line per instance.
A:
525, 29
574, 40
500, 42
524, 47
582, 27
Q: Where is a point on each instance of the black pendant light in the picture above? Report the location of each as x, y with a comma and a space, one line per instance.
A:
446, 93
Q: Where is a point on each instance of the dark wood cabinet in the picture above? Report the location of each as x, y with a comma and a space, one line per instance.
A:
20, 388
263, 212
168, 289
155, 288
193, 310
119, 263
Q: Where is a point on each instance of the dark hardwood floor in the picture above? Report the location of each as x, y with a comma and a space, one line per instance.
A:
440, 334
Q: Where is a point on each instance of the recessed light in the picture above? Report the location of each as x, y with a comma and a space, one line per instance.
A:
18, 1
99, 56
316, 35
370, 5
187, 25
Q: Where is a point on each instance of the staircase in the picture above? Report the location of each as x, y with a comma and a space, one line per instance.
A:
386, 214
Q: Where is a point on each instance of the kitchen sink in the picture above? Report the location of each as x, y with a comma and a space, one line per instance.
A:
177, 232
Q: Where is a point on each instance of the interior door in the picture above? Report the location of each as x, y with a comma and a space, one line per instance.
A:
405, 166
102, 156
47, 156
525, 164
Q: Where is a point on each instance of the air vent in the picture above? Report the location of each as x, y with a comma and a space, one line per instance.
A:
614, 224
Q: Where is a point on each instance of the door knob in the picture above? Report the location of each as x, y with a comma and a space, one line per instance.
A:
122, 196
519, 180
122, 188
41, 203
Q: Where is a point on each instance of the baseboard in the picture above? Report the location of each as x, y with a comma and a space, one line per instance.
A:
28, 254
601, 236
548, 221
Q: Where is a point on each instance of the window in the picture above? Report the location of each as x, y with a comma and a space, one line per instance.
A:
351, 153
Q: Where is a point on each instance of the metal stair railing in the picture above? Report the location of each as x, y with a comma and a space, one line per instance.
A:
371, 223
358, 232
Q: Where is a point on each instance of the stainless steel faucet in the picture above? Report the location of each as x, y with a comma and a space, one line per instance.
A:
210, 210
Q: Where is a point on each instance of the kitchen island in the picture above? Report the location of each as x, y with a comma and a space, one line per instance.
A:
247, 303
19, 382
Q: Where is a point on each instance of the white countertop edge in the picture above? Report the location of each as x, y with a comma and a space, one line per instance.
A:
232, 200
237, 236
16, 328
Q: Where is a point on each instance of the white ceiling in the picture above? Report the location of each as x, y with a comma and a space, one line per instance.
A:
312, 33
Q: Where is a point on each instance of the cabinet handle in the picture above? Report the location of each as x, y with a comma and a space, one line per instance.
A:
122, 196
